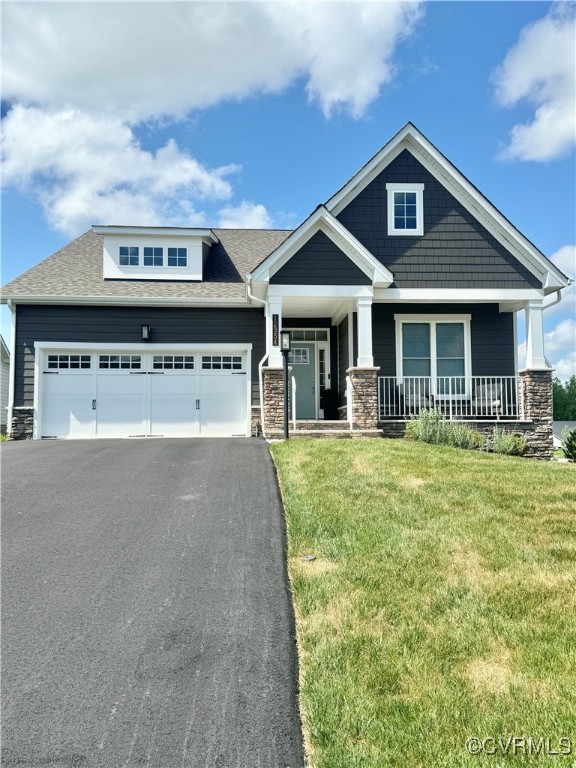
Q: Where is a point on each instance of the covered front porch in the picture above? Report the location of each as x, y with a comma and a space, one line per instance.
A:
354, 360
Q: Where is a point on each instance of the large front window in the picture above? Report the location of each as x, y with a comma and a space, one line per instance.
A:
436, 350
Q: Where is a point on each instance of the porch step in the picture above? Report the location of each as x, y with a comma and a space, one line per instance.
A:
321, 424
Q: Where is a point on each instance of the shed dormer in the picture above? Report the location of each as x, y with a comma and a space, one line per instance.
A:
154, 253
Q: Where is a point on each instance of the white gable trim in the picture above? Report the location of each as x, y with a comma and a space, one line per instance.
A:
507, 235
323, 221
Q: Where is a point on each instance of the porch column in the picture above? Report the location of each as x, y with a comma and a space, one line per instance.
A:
535, 359
364, 307
273, 328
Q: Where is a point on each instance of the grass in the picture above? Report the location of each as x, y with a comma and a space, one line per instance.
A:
441, 604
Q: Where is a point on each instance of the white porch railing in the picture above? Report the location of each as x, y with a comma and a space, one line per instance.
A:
458, 397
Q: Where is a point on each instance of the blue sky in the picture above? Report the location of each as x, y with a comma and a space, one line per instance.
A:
250, 114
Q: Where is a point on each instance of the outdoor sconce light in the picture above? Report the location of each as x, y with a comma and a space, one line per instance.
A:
146, 331
285, 341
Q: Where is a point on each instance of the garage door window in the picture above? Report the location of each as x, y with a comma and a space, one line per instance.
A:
64, 362
172, 362
221, 363
119, 362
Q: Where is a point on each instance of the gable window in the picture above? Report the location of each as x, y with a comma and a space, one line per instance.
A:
153, 257
177, 257
435, 348
129, 256
405, 209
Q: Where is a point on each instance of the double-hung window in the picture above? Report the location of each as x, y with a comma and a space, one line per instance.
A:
405, 209
435, 348
177, 257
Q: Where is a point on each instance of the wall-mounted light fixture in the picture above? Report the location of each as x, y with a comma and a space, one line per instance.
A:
146, 332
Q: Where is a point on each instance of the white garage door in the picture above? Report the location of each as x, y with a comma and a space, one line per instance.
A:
149, 394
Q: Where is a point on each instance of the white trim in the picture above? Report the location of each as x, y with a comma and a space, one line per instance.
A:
351, 361
365, 355
515, 331
42, 347
393, 187
145, 301
12, 369
322, 220
432, 320
319, 291
204, 232
410, 138
456, 294
535, 354
325, 345
140, 346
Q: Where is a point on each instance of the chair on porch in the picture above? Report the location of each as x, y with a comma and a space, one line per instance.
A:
487, 399
414, 395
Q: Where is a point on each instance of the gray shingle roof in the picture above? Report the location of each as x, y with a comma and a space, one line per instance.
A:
76, 270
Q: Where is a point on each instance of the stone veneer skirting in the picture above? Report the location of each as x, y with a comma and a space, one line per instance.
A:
364, 385
22, 423
539, 436
273, 383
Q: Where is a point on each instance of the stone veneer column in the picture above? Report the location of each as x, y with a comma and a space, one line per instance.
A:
273, 381
536, 400
364, 384
22, 423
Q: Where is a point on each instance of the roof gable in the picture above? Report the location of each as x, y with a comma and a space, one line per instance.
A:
412, 140
322, 221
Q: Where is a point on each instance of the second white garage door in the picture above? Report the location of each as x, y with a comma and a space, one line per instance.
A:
107, 394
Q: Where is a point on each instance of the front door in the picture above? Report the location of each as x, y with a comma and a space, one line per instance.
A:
302, 358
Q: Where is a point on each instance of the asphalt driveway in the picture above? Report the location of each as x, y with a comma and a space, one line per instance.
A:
146, 615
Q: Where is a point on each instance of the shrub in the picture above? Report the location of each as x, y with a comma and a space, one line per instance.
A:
463, 436
507, 443
569, 443
430, 426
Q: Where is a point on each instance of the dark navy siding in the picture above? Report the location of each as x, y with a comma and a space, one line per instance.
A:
492, 335
456, 251
105, 325
320, 262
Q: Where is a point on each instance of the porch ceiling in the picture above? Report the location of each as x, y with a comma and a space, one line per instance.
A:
316, 307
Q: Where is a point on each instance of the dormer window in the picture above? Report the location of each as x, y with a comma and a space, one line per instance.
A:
177, 257
153, 257
154, 253
405, 209
129, 256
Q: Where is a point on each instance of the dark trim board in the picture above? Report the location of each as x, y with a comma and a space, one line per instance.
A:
108, 325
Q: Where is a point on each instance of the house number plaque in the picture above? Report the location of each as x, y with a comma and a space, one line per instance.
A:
275, 331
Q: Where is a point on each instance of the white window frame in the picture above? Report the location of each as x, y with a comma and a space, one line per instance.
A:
397, 187
433, 321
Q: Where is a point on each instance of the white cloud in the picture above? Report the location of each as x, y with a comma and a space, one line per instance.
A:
142, 60
565, 260
80, 76
245, 216
87, 169
541, 70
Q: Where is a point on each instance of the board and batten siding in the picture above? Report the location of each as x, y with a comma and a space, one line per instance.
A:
491, 332
108, 325
455, 251
320, 262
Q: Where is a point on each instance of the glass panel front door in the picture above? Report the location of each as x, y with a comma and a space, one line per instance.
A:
302, 360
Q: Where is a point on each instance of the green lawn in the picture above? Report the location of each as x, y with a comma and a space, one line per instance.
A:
441, 604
